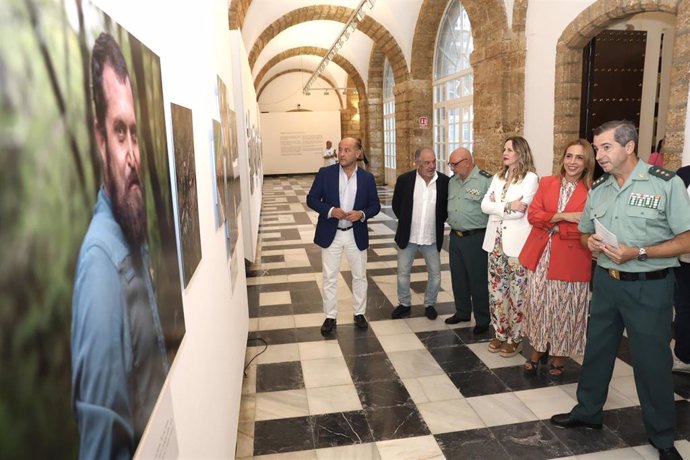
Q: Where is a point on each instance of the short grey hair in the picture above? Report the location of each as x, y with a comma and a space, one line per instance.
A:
625, 131
418, 153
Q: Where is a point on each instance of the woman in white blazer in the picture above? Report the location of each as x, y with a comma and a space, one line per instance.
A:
510, 193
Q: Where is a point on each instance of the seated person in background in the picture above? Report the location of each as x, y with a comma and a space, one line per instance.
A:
330, 157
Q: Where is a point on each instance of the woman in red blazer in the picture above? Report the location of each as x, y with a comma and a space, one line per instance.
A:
559, 268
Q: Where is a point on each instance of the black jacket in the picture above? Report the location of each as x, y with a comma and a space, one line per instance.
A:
403, 197
684, 174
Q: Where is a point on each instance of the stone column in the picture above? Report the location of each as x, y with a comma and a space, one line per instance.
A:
373, 107
498, 101
413, 99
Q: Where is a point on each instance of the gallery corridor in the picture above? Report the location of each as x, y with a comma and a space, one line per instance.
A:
403, 389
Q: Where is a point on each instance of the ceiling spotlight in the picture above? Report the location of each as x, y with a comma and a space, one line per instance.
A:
326, 93
307, 93
349, 28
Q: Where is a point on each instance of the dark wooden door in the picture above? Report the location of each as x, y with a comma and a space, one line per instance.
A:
613, 69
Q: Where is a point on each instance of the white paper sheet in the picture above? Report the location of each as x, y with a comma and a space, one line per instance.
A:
607, 236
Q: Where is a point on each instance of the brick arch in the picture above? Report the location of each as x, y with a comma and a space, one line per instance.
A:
237, 12
307, 71
489, 25
498, 63
314, 51
586, 26
373, 126
373, 29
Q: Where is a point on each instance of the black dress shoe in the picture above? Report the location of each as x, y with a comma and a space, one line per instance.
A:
480, 329
400, 312
361, 322
566, 421
669, 453
328, 326
430, 312
455, 320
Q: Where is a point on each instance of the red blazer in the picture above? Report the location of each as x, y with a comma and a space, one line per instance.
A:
569, 261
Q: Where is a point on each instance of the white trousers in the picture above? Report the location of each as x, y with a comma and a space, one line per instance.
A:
330, 260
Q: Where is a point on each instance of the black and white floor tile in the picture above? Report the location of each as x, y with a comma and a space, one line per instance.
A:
403, 389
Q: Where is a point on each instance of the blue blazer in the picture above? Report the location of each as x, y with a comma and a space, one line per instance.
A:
325, 194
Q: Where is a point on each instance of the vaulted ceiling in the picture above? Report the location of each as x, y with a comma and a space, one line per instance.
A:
283, 36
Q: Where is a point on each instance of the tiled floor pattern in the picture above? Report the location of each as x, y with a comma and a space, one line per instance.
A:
403, 389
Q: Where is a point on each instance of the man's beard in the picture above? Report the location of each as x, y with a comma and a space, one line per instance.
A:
129, 206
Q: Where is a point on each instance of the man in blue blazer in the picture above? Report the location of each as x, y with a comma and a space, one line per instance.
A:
345, 197
420, 202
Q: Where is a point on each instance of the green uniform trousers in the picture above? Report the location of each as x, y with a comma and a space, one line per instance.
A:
644, 309
468, 271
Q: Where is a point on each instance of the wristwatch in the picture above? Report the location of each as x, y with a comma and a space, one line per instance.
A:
642, 255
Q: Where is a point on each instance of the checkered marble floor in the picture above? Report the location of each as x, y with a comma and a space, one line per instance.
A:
403, 389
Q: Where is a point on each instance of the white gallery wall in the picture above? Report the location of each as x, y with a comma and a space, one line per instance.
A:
285, 93
294, 142
546, 20
197, 414
248, 119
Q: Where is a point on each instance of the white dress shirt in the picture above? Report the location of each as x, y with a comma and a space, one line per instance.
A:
347, 187
423, 227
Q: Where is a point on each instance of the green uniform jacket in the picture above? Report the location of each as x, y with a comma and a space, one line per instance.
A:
465, 200
651, 207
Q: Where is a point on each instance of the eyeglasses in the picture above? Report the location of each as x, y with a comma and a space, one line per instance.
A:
453, 165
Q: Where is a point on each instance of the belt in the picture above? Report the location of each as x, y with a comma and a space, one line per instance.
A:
345, 228
642, 276
469, 232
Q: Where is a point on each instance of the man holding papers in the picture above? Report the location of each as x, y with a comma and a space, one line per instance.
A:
648, 210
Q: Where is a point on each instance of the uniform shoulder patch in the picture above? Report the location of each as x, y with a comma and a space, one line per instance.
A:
486, 173
600, 181
665, 174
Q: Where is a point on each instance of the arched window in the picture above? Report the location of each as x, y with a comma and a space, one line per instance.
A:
388, 116
453, 84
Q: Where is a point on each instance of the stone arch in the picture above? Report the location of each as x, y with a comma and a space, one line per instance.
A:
237, 12
586, 26
373, 29
315, 51
373, 127
307, 71
498, 63
489, 25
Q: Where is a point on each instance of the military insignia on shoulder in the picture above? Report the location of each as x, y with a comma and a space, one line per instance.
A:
486, 173
600, 181
665, 174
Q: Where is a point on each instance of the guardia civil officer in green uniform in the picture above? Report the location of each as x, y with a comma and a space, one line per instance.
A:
648, 210
468, 261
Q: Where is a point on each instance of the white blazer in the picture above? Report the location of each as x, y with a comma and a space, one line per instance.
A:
516, 227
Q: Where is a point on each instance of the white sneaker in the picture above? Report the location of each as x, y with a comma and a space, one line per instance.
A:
680, 366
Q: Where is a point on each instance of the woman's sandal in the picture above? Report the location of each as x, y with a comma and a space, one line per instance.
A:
556, 372
531, 367
495, 345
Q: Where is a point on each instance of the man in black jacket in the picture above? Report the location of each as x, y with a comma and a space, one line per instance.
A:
681, 301
420, 203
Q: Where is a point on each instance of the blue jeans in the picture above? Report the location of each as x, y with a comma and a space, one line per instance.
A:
433, 266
